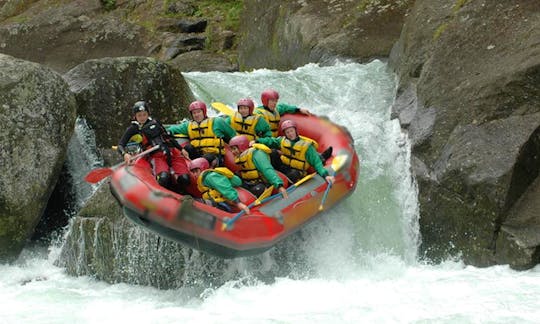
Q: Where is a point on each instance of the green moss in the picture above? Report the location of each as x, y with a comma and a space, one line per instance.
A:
108, 5
458, 5
438, 32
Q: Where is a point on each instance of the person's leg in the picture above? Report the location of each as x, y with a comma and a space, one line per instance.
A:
180, 167
161, 169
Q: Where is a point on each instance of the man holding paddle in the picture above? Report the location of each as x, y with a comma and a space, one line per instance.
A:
297, 154
170, 166
256, 171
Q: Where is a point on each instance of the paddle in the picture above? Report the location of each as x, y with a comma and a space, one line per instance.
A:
99, 174
223, 108
337, 163
257, 201
263, 200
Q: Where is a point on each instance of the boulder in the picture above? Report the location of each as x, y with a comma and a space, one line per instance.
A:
469, 98
63, 36
38, 113
106, 89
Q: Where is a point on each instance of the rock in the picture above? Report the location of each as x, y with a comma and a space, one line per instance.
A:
106, 89
204, 62
38, 116
62, 37
287, 34
474, 126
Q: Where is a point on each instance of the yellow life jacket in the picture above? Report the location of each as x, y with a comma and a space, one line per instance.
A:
245, 126
294, 155
248, 170
202, 136
272, 118
211, 193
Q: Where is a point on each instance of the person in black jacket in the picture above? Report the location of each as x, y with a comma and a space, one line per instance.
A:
170, 166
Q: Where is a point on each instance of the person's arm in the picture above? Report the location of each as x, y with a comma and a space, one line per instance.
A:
271, 142
262, 128
179, 129
262, 163
283, 108
312, 157
222, 128
128, 133
222, 184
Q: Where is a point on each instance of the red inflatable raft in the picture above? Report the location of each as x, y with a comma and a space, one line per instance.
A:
183, 219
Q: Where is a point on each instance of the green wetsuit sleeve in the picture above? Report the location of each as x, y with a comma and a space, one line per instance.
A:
179, 129
222, 184
271, 142
284, 108
222, 128
262, 163
262, 129
313, 158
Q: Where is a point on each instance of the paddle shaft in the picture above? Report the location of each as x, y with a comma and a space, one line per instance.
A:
99, 174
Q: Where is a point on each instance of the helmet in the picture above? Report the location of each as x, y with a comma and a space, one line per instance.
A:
198, 105
241, 141
267, 95
199, 163
140, 106
246, 102
288, 124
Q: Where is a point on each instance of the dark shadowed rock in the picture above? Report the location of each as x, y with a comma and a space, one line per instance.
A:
475, 125
107, 88
37, 112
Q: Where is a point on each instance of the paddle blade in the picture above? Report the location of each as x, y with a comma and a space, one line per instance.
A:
266, 193
97, 175
338, 162
223, 108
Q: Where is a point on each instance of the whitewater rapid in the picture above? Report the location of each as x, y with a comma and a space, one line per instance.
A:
362, 255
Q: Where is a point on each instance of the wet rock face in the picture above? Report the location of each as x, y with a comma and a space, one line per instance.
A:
106, 89
37, 112
287, 34
63, 36
469, 98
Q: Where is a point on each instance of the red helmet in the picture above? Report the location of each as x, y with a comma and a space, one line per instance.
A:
246, 102
198, 105
240, 141
288, 124
199, 163
267, 95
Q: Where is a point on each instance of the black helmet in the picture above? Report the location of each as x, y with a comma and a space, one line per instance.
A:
140, 106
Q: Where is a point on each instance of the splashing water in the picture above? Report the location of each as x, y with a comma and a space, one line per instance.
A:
361, 255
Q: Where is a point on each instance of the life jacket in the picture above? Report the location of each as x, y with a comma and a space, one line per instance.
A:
294, 154
211, 193
202, 136
272, 118
152, 133
248, 170
245, 126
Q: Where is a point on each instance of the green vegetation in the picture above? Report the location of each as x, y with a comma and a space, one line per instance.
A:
108, 5
226, 12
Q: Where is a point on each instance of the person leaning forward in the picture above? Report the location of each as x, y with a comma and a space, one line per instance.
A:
255, 167
217, 185
297, 154
207, 135
170, 167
